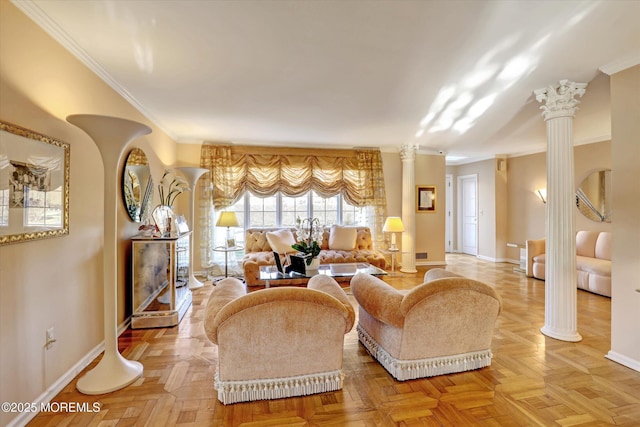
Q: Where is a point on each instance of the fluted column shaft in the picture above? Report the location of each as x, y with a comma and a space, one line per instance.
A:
560, 263
408, 156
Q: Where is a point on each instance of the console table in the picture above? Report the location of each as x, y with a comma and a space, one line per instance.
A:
159, 280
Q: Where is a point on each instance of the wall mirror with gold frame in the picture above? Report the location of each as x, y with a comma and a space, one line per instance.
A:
137, 186
34, 185
593, 196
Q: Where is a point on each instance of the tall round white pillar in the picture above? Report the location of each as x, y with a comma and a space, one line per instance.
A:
192, 175
408, 156
111, 135
561, 319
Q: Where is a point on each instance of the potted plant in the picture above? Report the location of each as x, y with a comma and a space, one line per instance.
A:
309, 235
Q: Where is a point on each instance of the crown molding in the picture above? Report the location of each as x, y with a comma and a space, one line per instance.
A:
630, 60
40, 17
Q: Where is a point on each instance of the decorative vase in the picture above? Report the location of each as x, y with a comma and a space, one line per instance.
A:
163, 217
315, 264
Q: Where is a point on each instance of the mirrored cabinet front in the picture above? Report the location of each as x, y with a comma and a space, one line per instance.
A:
160, 281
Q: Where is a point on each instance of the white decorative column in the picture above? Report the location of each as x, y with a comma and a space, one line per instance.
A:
111, 135
192, 175
408, 156
560, 267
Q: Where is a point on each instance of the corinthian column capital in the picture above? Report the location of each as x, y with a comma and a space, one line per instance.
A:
408, 152
559, 100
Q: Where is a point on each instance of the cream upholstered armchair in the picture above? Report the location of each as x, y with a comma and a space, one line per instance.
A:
278, 342
442, 326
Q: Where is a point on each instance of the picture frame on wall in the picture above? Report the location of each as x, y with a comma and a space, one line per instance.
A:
34, 185
425, 198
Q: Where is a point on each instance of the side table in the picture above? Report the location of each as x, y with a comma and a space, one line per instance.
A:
226, 250
393, 253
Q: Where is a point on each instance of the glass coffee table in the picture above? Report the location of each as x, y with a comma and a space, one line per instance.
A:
271, 275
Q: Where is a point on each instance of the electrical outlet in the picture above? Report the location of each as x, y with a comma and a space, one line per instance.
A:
50, 338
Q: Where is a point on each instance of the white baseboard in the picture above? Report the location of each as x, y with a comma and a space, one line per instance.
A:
623, 360
59, 384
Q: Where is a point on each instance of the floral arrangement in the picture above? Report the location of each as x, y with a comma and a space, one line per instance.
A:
171, 185
309, 234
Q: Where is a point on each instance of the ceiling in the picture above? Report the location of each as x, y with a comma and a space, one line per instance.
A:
455, 77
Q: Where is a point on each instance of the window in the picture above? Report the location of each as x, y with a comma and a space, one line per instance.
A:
4, 208
283, 211
43, 208
292, 209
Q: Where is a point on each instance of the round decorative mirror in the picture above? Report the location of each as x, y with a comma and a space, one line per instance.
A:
137, 186
593, 196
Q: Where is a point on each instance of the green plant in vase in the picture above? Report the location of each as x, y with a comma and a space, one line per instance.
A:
309, 235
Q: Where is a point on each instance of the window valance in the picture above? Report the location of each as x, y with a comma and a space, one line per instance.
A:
356, 174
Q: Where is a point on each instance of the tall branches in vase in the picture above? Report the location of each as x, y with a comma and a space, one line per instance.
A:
309, 235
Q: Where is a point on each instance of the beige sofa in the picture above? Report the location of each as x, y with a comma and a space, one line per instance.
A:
444, 325
258, 252
593, 261
278, 342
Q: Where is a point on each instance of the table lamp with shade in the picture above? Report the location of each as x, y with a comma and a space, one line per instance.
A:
393, 225
227, 219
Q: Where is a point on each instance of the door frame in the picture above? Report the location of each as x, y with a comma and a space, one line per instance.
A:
448, 234
460, 226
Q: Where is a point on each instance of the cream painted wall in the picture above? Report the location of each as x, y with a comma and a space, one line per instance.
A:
486, 205
526, 212
625, 298
430, 230
429, 170
58, 282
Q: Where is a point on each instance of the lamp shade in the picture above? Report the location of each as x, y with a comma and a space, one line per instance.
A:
227, 219
393, 224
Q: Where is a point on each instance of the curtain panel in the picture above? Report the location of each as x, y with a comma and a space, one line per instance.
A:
264, 171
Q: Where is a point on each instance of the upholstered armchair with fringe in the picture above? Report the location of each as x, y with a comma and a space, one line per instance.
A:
442, 326
278, 342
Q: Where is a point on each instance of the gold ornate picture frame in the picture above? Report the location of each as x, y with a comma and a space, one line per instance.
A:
425, 198
34, 185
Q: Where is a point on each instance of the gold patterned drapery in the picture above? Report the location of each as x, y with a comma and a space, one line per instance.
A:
265, 171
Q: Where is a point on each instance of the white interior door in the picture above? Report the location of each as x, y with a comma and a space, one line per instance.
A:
468, 189
448, 234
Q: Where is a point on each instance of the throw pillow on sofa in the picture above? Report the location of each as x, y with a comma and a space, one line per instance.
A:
281, 240
342, 238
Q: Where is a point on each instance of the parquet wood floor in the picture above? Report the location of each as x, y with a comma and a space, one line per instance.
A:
533, 380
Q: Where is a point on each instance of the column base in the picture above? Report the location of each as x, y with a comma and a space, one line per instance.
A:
194, 283
112, 373
408, 270
569, 336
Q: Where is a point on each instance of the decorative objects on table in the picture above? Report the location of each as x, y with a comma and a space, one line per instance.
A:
170, 187
309, 234
425, 198
192, 176
163, 217
36, 173
137, 186
111, 135
393, 225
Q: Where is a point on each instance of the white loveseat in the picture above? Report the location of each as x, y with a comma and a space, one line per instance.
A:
593, 261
